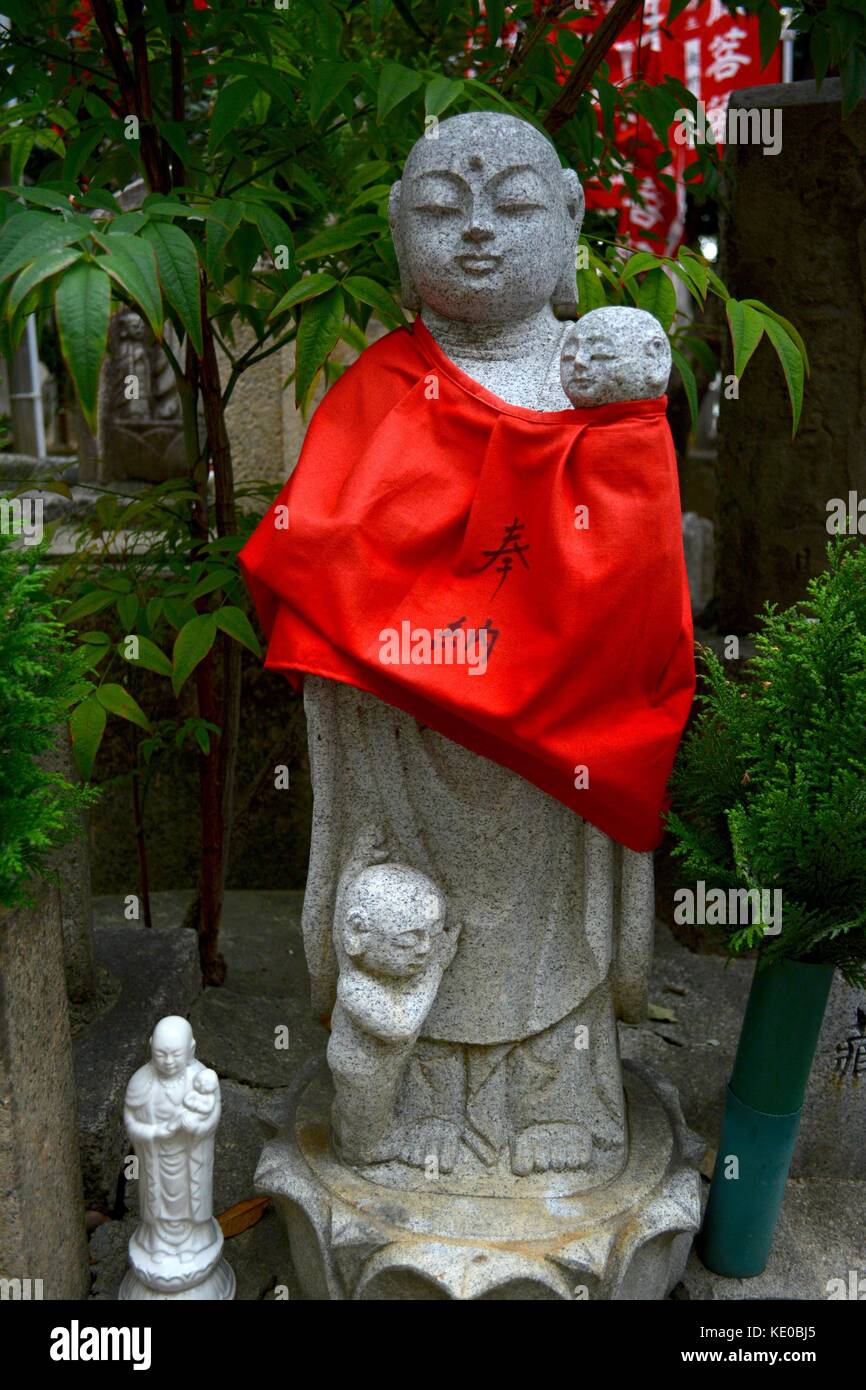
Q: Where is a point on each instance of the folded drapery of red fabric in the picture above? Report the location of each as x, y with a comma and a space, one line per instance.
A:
514, 579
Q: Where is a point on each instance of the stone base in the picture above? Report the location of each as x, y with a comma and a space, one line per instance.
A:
358, 1234
219, 1285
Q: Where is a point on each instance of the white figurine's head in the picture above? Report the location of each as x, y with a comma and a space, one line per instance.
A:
172, 1046
206, 1082
485, 221
615, 354
393, 915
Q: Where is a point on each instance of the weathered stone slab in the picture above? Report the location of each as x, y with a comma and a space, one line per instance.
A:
42, 1234
241, 1036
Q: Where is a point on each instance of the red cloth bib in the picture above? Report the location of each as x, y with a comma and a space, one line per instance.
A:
421, 503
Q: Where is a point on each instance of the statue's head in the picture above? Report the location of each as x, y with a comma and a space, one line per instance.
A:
172, 1046
615, 354
393, 915
485, 221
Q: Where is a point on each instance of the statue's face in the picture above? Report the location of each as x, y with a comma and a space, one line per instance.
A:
171, 1046
399, 951
482, 225
616, 354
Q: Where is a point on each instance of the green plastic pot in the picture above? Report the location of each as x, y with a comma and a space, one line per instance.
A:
762, 1115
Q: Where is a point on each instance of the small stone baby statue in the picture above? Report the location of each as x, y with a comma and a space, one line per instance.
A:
615, 354
393, 944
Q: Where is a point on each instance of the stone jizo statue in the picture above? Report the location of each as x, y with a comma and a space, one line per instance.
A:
171, 1112
479, 1072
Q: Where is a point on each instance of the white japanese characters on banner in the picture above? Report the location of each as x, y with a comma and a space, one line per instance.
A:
711, 51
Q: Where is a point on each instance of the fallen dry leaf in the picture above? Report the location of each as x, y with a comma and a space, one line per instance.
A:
242, 1216
661, 1015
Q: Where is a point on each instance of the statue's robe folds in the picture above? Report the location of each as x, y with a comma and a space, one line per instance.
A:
175, 1189
399, 512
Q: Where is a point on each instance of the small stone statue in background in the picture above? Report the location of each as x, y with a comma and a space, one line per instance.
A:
393, 944
615, 354
171, 1112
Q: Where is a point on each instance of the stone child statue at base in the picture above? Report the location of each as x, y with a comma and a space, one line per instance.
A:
393, 945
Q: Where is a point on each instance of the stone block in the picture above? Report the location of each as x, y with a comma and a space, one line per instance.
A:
42, 1233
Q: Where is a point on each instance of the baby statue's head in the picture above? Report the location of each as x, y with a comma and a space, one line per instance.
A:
393, 914
615, 354
206, 1082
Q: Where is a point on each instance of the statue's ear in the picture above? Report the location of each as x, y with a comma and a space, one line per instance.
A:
354, 931
564, 299
408, 293
575, 200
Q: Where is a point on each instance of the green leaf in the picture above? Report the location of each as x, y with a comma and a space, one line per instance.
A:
335, 239
178, 611
319, 330
117, 700
789, 328
224, 220
43, 197
640, 261
217, 579
191, 646
86, 726
306, 288
718, 285
690, 385
20, 148
131, 262
852, 71
792, 365
92, 602
29, 235
396, 83
439, 93
149, 655
235, 622
127, 609
327, 81
43, 269
79, 149
178, 269
82, 303
769, 32
274, 231
232, 101
819, 51
747, 330
658, 296
372, 293
590, 291
696, 270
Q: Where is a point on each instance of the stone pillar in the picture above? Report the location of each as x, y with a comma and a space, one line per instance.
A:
794, 236
42, 1235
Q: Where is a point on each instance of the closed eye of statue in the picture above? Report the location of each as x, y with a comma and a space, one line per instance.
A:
437, 209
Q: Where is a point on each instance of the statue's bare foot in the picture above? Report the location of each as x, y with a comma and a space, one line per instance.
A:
431, 1143
548, 1148
362, 1152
